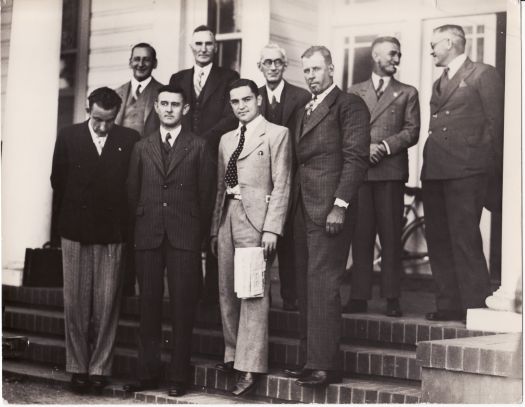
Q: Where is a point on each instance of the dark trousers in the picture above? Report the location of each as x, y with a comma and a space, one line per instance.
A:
184, 280
452, 213
285, 254
320, 265
210, 292
380, 207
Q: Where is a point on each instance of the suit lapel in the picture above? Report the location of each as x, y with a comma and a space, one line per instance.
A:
124, 95
264, 103
392, 92
148, 92
255, 140
464, 71
368, 94
153, 149
320, 112
211, 84
182, 146
187, 83
288, 102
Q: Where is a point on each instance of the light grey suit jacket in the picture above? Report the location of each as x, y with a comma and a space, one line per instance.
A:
264, 173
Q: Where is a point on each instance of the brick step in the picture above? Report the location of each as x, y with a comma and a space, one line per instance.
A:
406, 331
275, 386
196, 395
283, 351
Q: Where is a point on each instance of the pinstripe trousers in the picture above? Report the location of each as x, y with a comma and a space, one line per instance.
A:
92, 291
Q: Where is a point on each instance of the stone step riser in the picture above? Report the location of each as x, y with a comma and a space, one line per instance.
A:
282, 352
269, 386
398, 331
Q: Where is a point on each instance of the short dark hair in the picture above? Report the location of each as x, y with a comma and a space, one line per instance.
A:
239, 83
204, 28
145, 45
104, 97
172, 89
457, 31
380, 40
325, 52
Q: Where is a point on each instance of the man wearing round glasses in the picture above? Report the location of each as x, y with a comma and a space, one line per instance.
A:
280, 102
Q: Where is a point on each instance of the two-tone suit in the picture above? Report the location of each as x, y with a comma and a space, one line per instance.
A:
169, 192
463, 148
332, 148
394, 120
93, 218
263, 170
151, 120
210, 116
293, 99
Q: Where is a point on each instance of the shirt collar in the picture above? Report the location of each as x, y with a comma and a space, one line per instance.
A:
94, 135
376, 78
277, 92
173, 132
205, 69
135, 84
321, 96
250, 127
455, 64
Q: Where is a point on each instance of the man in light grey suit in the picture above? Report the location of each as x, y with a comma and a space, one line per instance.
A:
138, 94
394, 127
253, 189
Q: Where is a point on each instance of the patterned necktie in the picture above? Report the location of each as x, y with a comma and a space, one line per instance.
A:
137, 92
310, 106
166, 143
379, 90
231, 171
198, 83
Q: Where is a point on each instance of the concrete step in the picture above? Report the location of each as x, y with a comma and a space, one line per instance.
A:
195, 395
275, 386
359, 358
407, 330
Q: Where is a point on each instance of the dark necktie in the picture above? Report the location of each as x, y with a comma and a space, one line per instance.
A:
231, 171
273, 105
167, 145
443, 81
380, 90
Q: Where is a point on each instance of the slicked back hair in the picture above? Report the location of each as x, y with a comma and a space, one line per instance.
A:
172, 89
457, 32
325, 52
239, 83
204, 28
145, 45
273, 45
380, 40
105, 98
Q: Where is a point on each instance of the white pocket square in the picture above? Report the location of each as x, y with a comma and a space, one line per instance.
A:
462, 84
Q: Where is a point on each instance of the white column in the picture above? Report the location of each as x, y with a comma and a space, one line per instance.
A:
30, 130
504, 313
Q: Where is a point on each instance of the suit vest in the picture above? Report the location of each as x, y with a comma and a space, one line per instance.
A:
134, 111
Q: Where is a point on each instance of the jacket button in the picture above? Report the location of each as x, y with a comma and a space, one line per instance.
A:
434, 116
429, 132
165, 186
444, 129
447, 112
164, 204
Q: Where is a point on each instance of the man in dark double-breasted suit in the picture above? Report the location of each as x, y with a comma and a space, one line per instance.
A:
394, 127
89, 172
280, 103
463, 151
332, 142
170, 191
210, 115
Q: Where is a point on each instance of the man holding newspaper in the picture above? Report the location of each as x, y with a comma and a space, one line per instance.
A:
253, 189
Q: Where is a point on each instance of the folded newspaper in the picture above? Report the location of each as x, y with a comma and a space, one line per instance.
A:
249, 270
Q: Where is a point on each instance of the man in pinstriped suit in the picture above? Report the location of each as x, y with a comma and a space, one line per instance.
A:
170, 190
332, 141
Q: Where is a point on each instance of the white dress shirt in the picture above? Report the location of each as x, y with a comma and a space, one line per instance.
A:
174, 132
205, 73
277, 92
97, 140
320, 97
455, 64
135, 84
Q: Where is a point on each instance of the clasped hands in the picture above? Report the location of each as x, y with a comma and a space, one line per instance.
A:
377, 152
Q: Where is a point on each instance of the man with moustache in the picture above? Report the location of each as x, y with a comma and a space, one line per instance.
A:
280, 102
332, 142
253, 189
88, 176
210, 115
170, 190
394, 127
464, 148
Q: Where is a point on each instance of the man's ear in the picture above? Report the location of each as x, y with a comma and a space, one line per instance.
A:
185, 109
155, 64
259, 100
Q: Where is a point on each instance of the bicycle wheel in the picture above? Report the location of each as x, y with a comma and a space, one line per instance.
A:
415, 252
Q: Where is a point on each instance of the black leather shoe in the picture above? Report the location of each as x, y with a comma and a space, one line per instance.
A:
79, 383
297, 373
98, 383
355, 306
245, 383
319, 378
226, 367
177, 389
289, 305
141, 386
446, 316
393, 309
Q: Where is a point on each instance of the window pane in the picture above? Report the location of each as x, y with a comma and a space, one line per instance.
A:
224, 15
480, 29
69, 25
480, 44
229, 55
468, 48
362, 65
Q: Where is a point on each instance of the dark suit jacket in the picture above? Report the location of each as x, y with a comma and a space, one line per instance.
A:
210, 115
394, 118
178, 202
91, 189
151, 119
466, 125
332, 149
293, 99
